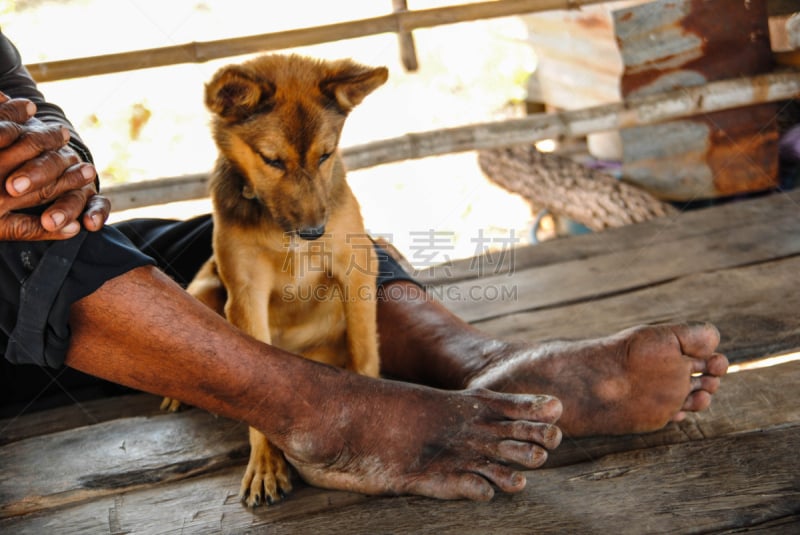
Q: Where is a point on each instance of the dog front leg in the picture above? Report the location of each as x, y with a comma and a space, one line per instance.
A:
361, 314
266, 479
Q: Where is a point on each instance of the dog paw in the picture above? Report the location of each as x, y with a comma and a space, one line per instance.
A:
266, 480
170, 404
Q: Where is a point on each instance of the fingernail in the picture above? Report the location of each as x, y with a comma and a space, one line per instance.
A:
65, 133
31, 109
71, 228
58, 218
87, 171
21, 184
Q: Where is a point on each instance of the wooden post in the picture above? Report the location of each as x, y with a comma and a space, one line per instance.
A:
408, 50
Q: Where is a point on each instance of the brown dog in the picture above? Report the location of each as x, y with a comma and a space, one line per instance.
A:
289, 243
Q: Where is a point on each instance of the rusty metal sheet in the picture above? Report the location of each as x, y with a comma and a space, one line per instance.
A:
700, 159
673, 43
668, 44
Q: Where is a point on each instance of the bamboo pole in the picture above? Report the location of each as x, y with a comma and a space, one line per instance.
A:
199, 52
715, 96
405, 40
680, 103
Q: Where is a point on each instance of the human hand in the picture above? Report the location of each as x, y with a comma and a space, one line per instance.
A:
37, 167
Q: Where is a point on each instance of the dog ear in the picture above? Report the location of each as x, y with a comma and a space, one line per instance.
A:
235, 93
350, 82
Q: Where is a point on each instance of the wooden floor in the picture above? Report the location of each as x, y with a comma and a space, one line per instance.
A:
121, 466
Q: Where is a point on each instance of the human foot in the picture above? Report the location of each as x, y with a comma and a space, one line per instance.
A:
632, 382
385, 437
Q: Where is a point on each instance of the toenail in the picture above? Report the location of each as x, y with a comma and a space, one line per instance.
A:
553, 434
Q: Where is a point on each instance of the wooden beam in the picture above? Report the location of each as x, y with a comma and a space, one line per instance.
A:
199, 52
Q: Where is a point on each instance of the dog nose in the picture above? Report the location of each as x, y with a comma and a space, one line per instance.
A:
311, 233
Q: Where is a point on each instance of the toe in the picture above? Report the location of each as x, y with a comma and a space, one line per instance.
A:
697, 401
709, 383
697, 339
546, 409
502, 477
546, 435
470, 486
718, 365
521, 453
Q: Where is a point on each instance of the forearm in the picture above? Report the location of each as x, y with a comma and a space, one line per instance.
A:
141, 330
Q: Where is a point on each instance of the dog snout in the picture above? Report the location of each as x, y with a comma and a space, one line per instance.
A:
311, 233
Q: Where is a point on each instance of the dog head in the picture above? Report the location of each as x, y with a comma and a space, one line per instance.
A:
277, 120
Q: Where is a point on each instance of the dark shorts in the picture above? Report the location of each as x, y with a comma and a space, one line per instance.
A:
40, 280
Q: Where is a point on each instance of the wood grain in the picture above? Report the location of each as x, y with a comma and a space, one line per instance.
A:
187, 466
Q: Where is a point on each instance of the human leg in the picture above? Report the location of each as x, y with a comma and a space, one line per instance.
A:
340, 430
634, 381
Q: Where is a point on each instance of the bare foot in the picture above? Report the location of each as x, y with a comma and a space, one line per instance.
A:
386, 437
635, 381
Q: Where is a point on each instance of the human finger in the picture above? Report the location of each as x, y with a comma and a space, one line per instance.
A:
43, 174
20, 159
28, 227
96, 214
17, 110
66, 208
74, 179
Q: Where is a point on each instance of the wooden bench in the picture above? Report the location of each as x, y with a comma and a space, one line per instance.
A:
122, 466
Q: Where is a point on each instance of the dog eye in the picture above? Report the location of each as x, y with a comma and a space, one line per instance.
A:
324, 158
277, 163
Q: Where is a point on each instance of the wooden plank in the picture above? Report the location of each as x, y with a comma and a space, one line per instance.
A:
622, 271
110, 457
197, 505
157, 469
688, 225
724, 483
746, 402
78, 415
755, 308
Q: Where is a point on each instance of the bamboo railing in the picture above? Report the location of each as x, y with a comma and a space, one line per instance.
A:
400, 22
635, 112
685, 102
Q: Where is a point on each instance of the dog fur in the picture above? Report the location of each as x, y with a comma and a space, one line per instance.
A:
290, 247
